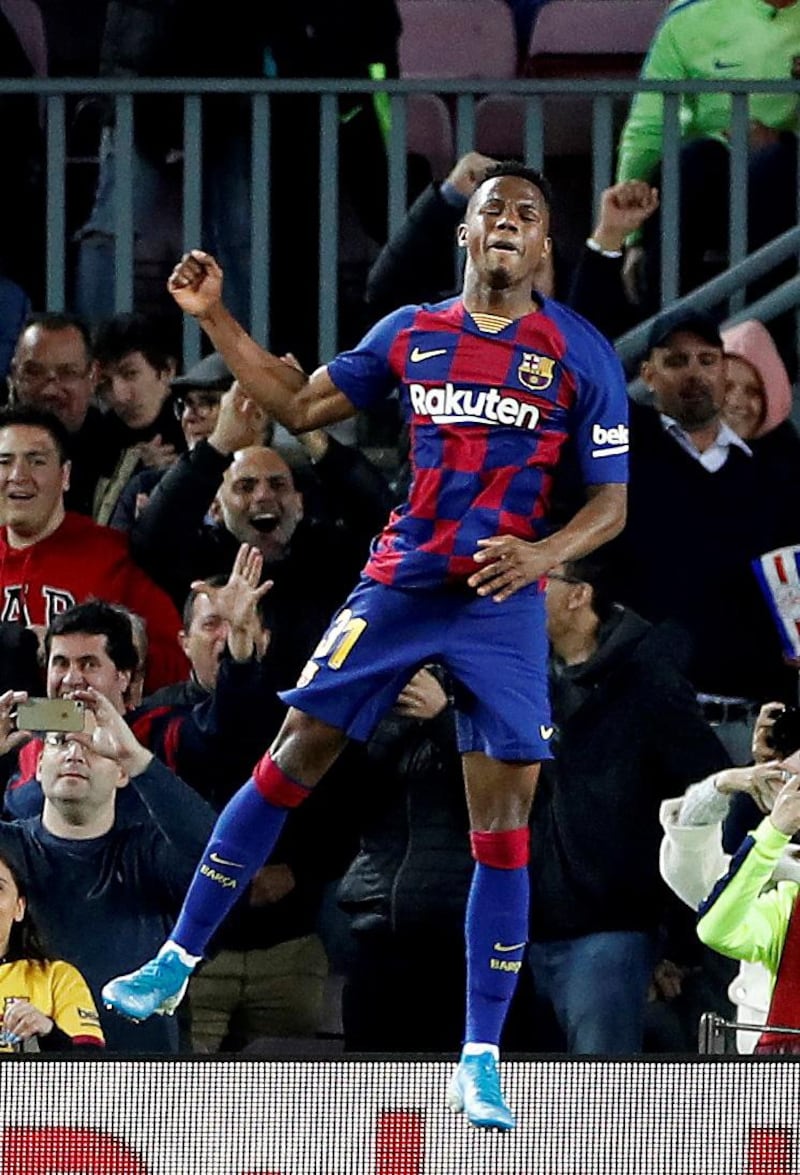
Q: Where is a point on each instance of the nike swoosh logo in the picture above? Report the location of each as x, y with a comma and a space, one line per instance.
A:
726, 64
517, 946
546, 732
221, 861
417, 356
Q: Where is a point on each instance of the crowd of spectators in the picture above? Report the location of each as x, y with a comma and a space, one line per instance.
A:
169, 566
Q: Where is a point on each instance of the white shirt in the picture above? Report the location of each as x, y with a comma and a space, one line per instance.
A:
715, 455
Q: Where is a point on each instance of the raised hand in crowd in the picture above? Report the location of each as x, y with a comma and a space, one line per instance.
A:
762, 749
10, 737
240, 423
237, 603
109, 735
785, 815
469, 169
624, 208
762, 782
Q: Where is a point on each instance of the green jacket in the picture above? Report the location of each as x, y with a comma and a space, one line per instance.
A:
713, 39
740, 918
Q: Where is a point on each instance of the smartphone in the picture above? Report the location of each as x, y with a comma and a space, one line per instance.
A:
42, 714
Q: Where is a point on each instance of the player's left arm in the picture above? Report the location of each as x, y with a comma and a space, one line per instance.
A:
599, 427
510, 563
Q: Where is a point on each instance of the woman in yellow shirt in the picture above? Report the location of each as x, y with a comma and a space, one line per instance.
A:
45, 1003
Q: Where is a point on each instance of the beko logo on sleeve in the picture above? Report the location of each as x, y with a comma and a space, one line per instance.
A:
609, 441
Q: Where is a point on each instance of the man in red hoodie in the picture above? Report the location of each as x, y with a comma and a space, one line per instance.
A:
51, 558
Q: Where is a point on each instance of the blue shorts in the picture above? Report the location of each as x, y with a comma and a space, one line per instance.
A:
382, 635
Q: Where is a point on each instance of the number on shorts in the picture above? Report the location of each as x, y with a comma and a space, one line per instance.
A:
337, 643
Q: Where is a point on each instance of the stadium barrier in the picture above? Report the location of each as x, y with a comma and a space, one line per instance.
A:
205, 1116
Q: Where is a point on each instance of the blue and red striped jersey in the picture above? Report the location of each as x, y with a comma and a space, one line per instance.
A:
490, 403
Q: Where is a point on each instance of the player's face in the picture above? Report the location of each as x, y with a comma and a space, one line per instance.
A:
506, 231
258, 500
687, 378
744, 406
32, 479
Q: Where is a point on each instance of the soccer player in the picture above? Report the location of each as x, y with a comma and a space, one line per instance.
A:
494, 383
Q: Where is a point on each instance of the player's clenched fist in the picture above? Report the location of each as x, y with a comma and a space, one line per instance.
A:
196, 283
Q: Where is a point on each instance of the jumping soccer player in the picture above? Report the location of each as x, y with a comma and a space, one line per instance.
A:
493, 383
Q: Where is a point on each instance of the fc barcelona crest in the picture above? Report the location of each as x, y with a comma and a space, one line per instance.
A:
536, 371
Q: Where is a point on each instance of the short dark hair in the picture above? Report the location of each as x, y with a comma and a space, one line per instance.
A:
187, 615
521, 171
55, 321
24, 941
18, 416
98, 618
594, 570
150, 334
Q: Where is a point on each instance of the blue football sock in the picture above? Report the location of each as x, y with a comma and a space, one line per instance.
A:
242, 839
496, 935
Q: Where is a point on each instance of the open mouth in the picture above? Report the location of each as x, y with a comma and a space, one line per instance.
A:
264, 523
504, 246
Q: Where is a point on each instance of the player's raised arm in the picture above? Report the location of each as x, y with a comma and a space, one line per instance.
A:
297, 401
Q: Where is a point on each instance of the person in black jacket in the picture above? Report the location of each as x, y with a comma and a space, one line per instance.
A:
251, 495
406, 890
703, 504
136, 356
628, 731
195, 398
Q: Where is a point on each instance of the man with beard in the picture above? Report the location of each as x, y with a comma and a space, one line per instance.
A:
703, 505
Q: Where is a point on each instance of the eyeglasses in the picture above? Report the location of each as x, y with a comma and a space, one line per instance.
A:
63, 373
197, 401
55, 738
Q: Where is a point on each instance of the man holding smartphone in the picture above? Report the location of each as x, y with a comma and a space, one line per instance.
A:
144, 868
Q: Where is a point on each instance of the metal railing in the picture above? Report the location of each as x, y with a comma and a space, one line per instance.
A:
732, 281
716, 1034
541, 100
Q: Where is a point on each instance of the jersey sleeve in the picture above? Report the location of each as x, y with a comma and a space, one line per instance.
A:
365, 374
640, 142
740, 918
73, 1009
600, 424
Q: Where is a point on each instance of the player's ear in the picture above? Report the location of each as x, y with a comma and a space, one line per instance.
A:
461, 235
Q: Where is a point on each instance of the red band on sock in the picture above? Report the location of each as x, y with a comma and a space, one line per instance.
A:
276, 786
502, 850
